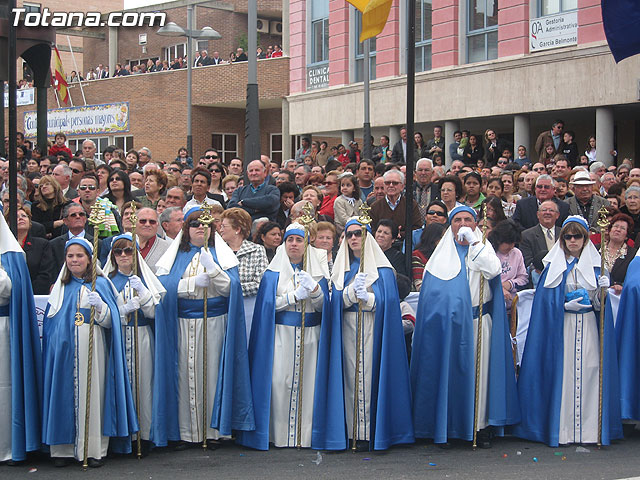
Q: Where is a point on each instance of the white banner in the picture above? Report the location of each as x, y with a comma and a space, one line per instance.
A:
26, 96
90, 119
553, 31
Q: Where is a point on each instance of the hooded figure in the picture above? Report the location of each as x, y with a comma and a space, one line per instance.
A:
188, 272
275, 344
443, 360
20, 354
137, 291
65, 347
384, 398
559, 377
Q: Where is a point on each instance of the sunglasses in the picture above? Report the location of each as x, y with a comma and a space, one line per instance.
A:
211, 156
572, 236
149, 221
216, 170
86, 187
353, 233
391, 182
330, 183
435, 212
174, 169
77, 214
126, 251
502, 162
76, 171
194, 224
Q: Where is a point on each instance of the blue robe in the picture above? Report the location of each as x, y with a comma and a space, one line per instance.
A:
58, 347
26, 359
443, 359
390, 421
540, 379
233, 405
628, 343
261, 356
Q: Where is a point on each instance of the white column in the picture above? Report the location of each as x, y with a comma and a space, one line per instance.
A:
286, 41
347, 136
394, 136
604, 135
286, 136
113, 49
450, 126
521, 134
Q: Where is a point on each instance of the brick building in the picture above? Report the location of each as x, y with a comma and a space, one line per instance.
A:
478, 66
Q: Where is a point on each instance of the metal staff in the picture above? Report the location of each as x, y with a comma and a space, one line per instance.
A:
364, 219
479, 339
603, 223
205, 219
96, 219
133, 218
306, 219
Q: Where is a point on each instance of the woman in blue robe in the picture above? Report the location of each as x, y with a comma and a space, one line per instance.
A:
188, 272
65, 347
559, 377
20, 354
384, 400
140, 292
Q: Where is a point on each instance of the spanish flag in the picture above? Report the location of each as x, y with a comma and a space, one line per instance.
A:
59, 80
374, 16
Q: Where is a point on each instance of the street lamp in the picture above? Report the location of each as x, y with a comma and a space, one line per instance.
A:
206, 33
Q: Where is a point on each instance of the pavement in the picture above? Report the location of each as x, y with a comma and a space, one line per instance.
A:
509, 458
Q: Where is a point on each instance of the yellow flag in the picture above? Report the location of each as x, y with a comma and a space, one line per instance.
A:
374, 16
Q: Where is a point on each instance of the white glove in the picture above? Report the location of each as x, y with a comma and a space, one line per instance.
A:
301, 293
361, 292
360, 280
305, 280
603, 281
137, 285
465, 233
575, 305
207, 261
202, 280
94, 300
131, 306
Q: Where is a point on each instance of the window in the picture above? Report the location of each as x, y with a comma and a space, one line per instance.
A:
359, 54
31, 7
549, 7
202, 45
124, 142
482, 30
173, 52
423, 35
275, 147
320, 41
141, 61
226, 144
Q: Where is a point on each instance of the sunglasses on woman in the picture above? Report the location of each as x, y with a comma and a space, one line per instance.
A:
126, 251
353, 233
435, 212
572, 236
194, 224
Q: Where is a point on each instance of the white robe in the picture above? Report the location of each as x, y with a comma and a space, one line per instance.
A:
5, 370
349, 339
98, 444
580, 373
190, 354
145, 357
285, 378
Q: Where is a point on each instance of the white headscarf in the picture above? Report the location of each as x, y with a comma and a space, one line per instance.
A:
374, 257
557, 261
8, 242
444, 263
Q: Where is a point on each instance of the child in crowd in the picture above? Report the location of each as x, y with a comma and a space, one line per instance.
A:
348, 203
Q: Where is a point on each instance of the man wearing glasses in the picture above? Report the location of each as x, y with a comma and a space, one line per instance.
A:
526, 214
89, 192
424, 191
78, 167
152, 247
393, 205
210, 156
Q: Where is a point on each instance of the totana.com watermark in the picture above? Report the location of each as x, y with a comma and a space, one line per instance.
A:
46, 18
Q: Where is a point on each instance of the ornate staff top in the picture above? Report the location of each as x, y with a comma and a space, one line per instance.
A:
133, 216
603, 218
364, 218
97, 216
206, 218
307, 217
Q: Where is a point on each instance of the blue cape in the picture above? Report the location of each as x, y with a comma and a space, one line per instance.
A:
26, 359
390, 421
261, 356
540, 380
443, 359
628, 343
58, 346
233, 406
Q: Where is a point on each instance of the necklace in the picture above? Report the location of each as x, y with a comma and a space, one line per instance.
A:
610, 259
79, 316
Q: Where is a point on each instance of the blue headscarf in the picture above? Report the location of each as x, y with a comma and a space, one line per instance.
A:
460, 209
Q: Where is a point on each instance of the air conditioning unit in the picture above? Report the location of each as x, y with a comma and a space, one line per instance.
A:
263, 25
275, 28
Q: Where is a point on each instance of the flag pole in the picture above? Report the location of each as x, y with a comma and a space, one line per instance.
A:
411, 81
78, 72
366, 131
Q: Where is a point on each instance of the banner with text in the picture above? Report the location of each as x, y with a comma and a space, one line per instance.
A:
553, 31
24, 96
90, 119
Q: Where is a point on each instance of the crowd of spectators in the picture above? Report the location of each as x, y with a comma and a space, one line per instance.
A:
521, 199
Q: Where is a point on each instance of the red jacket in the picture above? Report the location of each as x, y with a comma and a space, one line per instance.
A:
55, 149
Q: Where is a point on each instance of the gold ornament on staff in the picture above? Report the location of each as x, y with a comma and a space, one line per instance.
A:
485, 224
96, 218
205, 219
603, 223
133, 218
306, 219
364, 219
